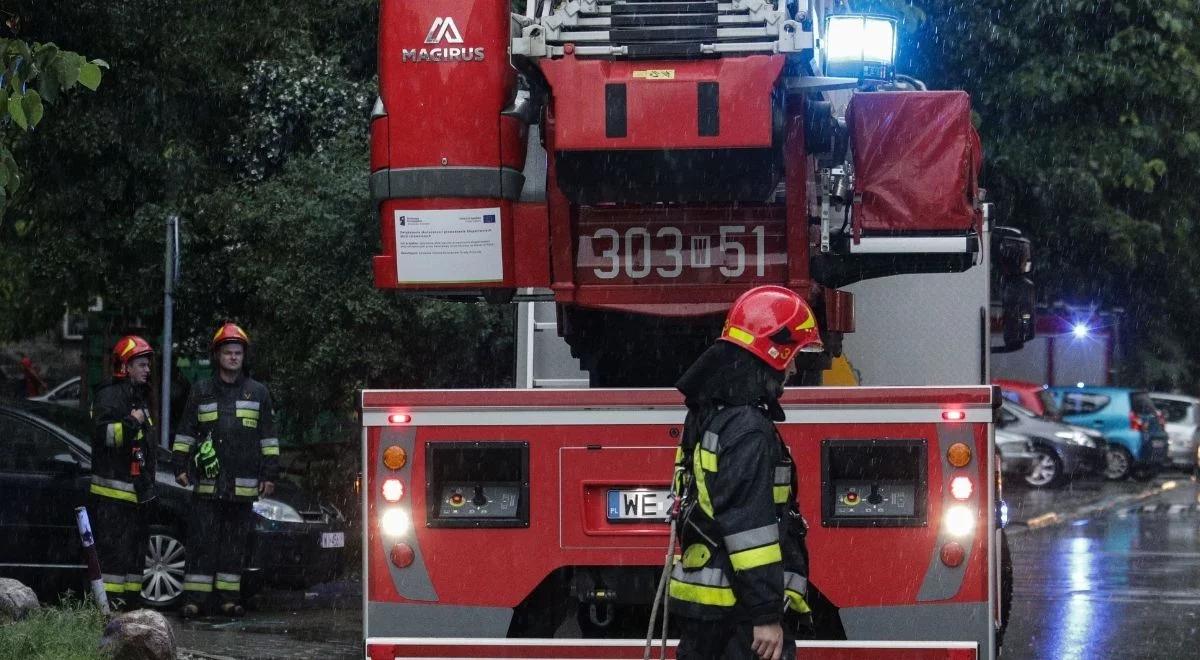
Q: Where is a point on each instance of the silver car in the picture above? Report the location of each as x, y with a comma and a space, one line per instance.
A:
1183, 427
1063, 451
1016, 453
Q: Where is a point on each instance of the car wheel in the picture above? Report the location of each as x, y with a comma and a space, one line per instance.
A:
162, 579
1047, 470
1118, 463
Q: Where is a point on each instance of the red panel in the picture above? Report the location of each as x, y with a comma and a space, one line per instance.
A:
531, 245
514, 136
680, 246
379, 143
916, 161
662, 114
822, 396
593, 649
796, 161
448, 112
588, 475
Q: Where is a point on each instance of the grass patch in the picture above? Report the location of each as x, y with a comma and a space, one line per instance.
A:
70, 631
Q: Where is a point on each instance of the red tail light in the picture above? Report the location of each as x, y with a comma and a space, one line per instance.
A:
1135, 422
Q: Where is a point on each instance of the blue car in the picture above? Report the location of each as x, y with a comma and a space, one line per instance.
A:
1133, 427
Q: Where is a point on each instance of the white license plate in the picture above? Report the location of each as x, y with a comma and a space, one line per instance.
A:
333, 539
639, 504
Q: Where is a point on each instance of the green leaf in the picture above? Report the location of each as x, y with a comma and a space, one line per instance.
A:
89, 75
3, 175
32, 105
17, 111
67, 66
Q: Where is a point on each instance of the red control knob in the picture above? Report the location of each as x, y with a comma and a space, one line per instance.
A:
456, 499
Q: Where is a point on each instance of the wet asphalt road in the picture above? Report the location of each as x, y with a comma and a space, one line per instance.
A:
1102, 570
1123, 582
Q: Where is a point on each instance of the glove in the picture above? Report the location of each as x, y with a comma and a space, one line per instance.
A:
206, 459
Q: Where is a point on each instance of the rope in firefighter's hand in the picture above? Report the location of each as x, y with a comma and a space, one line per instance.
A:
659, 600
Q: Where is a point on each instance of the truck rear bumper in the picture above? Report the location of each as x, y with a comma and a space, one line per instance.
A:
596, 649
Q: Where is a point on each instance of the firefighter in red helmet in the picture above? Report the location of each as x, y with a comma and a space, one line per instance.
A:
226, 446
123, 466
740, 587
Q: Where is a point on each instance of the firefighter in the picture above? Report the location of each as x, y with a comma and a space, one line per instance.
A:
739, 588
226, 446
123, 465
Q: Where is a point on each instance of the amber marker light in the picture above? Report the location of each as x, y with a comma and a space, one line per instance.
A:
959, 454
395, 458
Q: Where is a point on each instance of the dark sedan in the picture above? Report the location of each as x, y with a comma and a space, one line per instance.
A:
45, 464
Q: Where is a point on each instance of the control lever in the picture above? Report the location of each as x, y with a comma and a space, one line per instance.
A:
480, 499
875, 497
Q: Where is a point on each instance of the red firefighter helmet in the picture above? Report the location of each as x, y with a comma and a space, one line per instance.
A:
125, 351
227, 333
774, 324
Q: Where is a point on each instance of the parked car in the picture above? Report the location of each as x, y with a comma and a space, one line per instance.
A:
45, 463
1062, 452
1030, 395
66, 393
1137, 439
1182, 414
1017, 456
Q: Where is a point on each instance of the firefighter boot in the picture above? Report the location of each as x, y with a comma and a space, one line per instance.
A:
190, 610
233, 610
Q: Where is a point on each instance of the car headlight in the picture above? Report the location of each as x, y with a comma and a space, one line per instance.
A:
1074, 437
277, 511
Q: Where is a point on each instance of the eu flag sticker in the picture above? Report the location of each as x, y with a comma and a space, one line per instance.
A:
614, 504
489, 217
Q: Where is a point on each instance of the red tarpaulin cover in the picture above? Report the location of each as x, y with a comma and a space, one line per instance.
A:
916, 162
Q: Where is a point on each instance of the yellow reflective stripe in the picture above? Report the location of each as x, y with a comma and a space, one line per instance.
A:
678, 455
181, 446
796, 602
197, 586
207, 416
708, 460
701, 487
781, 494
753, 558
270, 451
205, 488
133, 586
250, 423
740, 335
245, 412
696, 593
245, 491
229, 586
115, 587
105, 491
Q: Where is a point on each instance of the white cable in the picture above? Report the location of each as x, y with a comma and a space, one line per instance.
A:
658, 598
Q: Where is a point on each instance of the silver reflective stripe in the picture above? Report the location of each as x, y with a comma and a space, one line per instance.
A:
112, 579
248, 405
269, 442
113, 483
207, 407
783, 476
248, 483
184, 439
795, 582
706, 577
228, 577
752, 538
196, 577
133, 577
711, 442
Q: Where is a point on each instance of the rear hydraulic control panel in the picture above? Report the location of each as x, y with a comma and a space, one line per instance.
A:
477, 484
873, 483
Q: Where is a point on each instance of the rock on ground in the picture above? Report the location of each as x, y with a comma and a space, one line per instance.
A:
139, 635
16, 600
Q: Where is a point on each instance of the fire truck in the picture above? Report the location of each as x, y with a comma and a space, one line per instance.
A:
631, 167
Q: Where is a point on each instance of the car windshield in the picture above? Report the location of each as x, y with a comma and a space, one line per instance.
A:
74, 421
1142, 404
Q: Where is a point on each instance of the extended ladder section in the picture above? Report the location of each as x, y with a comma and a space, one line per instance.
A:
649, 29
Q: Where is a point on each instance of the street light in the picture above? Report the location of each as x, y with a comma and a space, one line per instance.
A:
1081, 330
860, 46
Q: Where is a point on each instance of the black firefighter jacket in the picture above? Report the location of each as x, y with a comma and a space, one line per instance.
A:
121, 445
239, 420
741, 536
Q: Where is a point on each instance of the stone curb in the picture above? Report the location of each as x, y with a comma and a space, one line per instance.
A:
191, 654
1058, 518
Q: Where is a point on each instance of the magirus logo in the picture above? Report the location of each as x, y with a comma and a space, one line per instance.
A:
443, 30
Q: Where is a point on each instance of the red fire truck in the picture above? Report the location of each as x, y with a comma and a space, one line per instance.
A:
638, 164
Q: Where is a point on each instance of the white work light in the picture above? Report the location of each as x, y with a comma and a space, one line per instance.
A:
960, 521
858, 46
395, 522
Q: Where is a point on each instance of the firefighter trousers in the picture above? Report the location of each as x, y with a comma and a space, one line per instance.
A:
119, 529
723, 640
218, 533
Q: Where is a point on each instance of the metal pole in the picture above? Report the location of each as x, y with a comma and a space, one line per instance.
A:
170, 278
93, 559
